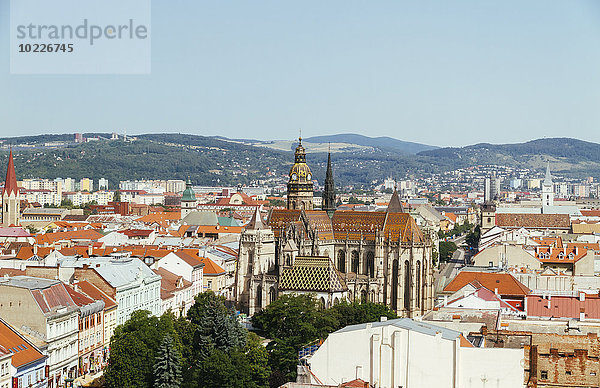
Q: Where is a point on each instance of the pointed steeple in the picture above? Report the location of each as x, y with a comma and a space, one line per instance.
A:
256, 222
395, 206
10, 183
548, 177
329, 191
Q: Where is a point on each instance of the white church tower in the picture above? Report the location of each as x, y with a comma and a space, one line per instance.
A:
547, 191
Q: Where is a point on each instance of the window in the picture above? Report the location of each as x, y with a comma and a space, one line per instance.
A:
568, 373
544, 375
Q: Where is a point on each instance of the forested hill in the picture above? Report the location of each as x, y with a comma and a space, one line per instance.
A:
218, 161
571, 156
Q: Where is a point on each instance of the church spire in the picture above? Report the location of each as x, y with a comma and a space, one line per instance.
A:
256, 222
548, 177
329, 192
395, 206
10, 183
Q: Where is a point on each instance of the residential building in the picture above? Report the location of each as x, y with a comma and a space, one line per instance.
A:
22, 364
109, 318
91, 331
186, 265
175, 293
44, 310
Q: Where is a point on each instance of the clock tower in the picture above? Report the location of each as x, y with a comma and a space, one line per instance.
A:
300, 185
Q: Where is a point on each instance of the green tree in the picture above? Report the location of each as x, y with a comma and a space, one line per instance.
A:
472, 238
447, 249
345, 314
134, 347
117, 196
167, 372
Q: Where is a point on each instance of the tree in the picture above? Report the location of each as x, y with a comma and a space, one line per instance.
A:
345, 314
134, 347
447, 249
117, 196
167, 373
472, 238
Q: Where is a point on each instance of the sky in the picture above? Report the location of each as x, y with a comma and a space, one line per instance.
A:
445, 73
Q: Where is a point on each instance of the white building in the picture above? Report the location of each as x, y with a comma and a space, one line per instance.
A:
50, 320
408, 353
135, 286
185, 265
102, 184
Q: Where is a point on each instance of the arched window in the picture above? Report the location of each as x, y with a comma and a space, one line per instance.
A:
341, 260
259, 296
407, 285
363, 296
250, 262
322, 303
418, 285
371, 264
395, 274
288, 260
354, 262
272, 295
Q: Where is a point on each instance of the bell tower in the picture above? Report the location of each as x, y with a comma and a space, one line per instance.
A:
300, 185
10, 196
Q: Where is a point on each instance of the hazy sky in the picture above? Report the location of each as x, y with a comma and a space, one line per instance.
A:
437, 72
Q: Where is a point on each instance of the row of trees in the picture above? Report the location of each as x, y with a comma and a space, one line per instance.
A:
209, 347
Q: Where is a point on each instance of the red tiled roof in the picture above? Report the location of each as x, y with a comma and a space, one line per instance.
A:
23, 351
49, 238
97, 294
567, 254
210, 267
563, 306
193, 261
590, 213
537, 221
14, 232
504, 282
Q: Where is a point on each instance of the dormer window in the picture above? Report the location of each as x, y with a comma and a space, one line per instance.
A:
561, 256
571, 256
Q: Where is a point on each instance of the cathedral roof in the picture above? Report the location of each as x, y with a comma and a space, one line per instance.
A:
353, 224
312, 274
349, 224
320, 221
10, 183
281, 218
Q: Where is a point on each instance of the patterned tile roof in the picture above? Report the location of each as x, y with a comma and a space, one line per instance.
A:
319, 220
354, 223
312, 274
279, 219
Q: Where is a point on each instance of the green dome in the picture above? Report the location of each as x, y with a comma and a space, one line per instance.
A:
188, 193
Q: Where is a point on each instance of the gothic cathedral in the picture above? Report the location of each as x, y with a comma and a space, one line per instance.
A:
379, 256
